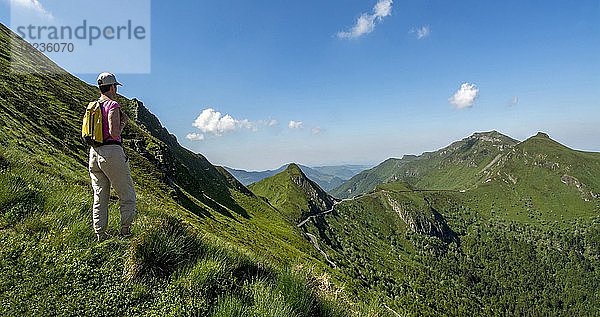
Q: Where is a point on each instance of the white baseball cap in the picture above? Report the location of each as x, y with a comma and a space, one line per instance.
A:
107, 79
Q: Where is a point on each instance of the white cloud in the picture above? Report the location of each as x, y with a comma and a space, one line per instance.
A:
366, 22
465, 96
195, 136
316, 130
514, 101
33, 5
422, 32
295, 124
213, 122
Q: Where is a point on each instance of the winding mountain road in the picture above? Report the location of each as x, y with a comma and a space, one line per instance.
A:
314, 240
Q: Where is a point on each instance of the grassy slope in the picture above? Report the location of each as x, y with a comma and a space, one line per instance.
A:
525, 184
185, 257
293, 194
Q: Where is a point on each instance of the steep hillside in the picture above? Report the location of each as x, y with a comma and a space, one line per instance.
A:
456, 166
440, 253
202, 244
293, 194
324, 180
540, 180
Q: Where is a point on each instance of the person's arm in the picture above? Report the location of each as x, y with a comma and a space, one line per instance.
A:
124, 119
114, 123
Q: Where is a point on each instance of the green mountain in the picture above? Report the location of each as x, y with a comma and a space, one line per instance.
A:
328, 177
202, 244
433, 253
293, 194
521, 238
457, 166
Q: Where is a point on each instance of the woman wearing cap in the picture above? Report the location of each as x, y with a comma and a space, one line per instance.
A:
108, 163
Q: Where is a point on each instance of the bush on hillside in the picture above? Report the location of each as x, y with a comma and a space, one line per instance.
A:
164, 247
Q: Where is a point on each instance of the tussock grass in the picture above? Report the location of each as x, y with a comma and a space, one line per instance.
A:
160, 250
18, 199
230, 306
269, 302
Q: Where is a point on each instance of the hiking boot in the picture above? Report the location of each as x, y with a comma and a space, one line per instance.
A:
125, 232
101, 236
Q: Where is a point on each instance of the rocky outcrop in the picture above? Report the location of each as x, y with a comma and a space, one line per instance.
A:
586, 194
150, 122
318, 199
420, 220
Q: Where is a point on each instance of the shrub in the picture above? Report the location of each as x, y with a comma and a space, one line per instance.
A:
161, 249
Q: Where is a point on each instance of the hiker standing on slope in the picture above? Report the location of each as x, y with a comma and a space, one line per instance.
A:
108, 163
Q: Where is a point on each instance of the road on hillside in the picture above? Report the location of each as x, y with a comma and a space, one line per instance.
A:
313, 239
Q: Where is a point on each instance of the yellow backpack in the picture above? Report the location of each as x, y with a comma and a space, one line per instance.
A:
91, 129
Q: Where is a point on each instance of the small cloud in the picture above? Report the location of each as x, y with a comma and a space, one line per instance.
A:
465, 96
421, 32
213, 122
195, 137
366, 22
514, 101
315, 131
32, 5
272, 123
295, 124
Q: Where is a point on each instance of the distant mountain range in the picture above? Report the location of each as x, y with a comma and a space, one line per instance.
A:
328, 177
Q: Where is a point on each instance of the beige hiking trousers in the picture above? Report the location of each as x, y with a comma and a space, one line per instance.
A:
109, 165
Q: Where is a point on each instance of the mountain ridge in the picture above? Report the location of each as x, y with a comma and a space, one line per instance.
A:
466, 156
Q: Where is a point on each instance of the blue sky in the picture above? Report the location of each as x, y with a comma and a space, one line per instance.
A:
367, 93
